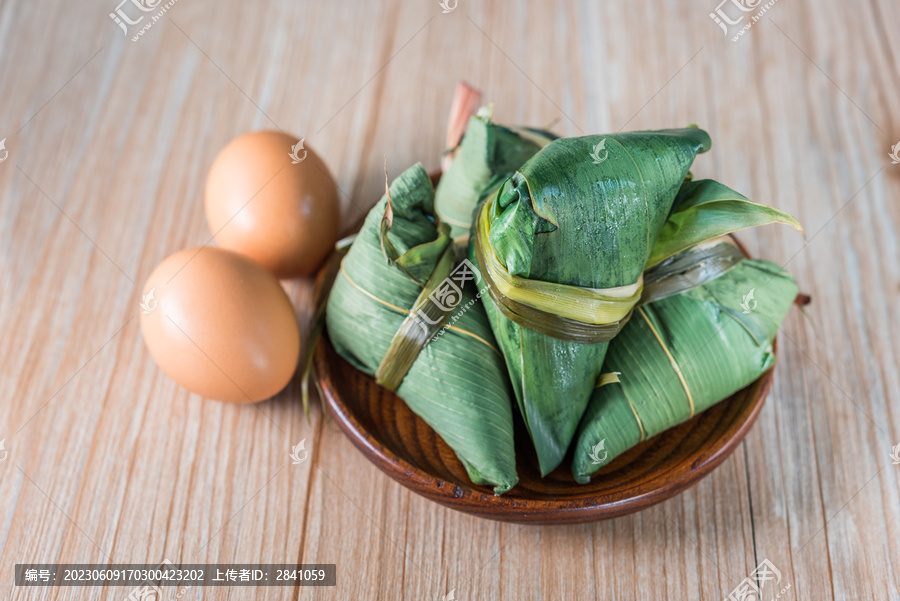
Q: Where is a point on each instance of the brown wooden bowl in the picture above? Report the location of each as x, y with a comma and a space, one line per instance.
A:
404, 447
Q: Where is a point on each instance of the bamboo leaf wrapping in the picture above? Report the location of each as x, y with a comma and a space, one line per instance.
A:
458, 384
705, 209
487, 155
718, 335
568, 217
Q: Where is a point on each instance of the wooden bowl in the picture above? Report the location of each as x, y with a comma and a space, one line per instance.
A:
404, 447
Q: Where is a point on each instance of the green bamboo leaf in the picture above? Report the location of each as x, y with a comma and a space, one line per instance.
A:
488, 154
417, 260
705, 209
683, 354
458, 383
579, 215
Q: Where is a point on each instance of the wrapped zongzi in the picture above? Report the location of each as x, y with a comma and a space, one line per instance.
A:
562, 246
396, 286
680, 355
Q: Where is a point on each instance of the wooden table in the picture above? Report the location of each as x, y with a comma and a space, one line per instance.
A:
109, 143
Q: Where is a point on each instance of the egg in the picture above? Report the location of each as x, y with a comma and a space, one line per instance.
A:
220, 325
271, 198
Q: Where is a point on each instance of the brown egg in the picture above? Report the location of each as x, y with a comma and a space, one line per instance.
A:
261, 204
220, 325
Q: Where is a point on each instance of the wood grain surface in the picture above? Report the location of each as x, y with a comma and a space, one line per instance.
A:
109, 142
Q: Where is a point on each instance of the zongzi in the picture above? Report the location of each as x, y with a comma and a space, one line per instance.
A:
562, 246
679, 356
394, 290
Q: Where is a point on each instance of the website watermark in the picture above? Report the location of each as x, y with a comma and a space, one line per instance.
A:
456, 316
296, 158
894, 154
598, 453
447, 297
298, 453
149, 302
595, 154
729, 15
130, 13
751, 587
749, 302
